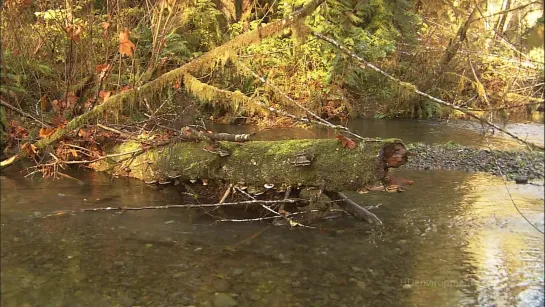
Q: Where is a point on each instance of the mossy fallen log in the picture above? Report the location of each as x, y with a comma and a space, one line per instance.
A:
319, 162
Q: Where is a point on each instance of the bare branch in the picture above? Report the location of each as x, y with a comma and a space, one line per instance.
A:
411, 87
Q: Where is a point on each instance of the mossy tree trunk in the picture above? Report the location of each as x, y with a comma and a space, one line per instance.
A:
326, 163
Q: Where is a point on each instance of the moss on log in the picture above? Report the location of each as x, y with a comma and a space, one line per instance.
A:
261, 162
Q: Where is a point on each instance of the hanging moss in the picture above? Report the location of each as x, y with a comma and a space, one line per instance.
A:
153, 88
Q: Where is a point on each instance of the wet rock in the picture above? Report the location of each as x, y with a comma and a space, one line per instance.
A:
360, 284
356, 269
254, 296
238, 271
124, 300
224, 300
521, 180
221, 285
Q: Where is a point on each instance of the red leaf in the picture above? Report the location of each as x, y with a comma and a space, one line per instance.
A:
102, 68
59, 121
346, 142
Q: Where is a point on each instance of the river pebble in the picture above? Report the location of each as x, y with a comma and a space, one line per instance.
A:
224, 300
455, 157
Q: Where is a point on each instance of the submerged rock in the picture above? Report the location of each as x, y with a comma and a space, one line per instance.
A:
224, 300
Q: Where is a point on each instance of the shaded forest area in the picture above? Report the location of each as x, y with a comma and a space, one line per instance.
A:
143, 69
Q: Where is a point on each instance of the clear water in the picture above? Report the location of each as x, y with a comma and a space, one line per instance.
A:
451, 239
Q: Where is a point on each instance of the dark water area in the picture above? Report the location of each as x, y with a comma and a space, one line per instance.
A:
451, 239
466, 133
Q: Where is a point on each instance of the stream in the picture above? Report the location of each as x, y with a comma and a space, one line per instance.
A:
451, 239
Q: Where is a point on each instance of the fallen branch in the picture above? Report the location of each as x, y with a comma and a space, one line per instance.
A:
191, 206
413, 88
192, 134
257, 219
353, 208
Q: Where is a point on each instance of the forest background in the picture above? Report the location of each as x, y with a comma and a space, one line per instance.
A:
61, 59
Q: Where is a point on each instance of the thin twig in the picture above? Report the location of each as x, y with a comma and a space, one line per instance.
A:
317, 118
9, 106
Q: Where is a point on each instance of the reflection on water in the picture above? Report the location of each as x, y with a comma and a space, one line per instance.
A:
467, 133
451, 239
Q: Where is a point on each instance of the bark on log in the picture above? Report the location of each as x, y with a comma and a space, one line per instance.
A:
266, 162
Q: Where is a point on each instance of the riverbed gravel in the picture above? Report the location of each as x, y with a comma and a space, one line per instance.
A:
513, 164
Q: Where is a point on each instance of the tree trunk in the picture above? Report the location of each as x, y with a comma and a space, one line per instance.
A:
281, 163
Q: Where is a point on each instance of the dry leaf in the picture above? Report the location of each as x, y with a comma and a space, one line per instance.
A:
346, 142
56, 105
126, 47
29, 148
59, 121
105, 95
73, 32
71, 100
45, 132
84, 134
105, 26
43, 103
102, 68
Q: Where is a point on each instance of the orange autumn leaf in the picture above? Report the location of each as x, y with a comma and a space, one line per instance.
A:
346, 142
105, 95
45, 132
29, 148
105, 26
43, 103
86, 135
176, 85
74, 153
102, 68
126, 47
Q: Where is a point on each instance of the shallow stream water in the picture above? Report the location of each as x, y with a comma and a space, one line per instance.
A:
451, 239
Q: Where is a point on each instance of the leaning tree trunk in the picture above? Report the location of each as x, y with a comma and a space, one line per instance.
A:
325, 163
152, 88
